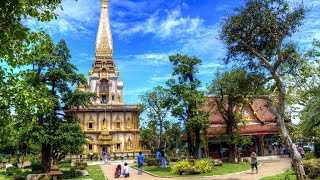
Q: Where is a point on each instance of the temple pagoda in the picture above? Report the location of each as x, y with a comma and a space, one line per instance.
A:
113, 125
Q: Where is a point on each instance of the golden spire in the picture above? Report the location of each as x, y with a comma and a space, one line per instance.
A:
104, 46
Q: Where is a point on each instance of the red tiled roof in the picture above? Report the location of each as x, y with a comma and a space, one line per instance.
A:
258, 111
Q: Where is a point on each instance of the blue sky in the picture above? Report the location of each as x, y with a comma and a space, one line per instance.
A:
146, 32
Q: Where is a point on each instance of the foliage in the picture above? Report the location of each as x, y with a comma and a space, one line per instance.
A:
231, 90
20, 176
114, 156
255, 37
309, 155
150, 161
172, 131
204, 165
311, 167
15, 40
154, 103
12, 170
177, 167
9, 157
49, 78
187, 101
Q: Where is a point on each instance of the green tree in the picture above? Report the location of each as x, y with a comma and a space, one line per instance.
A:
15, 40
48, 80
149, 135
255, 35
172, 136
154, 103
187, 101
232, 91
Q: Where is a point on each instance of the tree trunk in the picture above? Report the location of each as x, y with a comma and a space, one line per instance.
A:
190, 144
160, 136
280, 113
295, 156
232, 153
46, 157
197, 142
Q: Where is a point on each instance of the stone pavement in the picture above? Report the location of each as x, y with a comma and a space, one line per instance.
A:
268, 168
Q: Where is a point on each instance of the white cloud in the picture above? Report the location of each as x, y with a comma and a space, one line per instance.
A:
156, 78
75, 19
153, 58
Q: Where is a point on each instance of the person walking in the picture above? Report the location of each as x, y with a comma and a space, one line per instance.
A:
254, 161
164, 158
140, 162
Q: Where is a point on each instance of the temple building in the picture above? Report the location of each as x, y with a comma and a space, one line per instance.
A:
113, 125
260, 125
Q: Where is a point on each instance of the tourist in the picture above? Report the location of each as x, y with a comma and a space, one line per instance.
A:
117, 173
122, 156
164, 158
126, 170
158, 156
140, 162
254, 161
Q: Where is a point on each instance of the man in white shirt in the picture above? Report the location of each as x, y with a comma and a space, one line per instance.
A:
126, 170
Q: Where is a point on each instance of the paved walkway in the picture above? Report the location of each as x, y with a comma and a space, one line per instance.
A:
268, 168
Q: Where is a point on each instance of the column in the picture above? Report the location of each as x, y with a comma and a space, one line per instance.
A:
125, 141
111, 122
124, 121
261, 140
110, 92
98, 128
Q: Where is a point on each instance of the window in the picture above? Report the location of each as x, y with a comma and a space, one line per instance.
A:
118, 146
112, 97
104, 99
118, 125
90, 125
90, 146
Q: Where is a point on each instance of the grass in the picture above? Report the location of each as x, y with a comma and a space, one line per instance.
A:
290, 175
226, 168
95, 173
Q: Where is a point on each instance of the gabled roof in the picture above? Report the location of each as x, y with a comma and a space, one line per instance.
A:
258, 112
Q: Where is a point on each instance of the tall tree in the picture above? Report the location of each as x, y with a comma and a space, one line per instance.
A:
154, 103
49, 78
255, 35
15, 40
188, 101
232, 91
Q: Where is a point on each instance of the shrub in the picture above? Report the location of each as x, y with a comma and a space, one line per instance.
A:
114, 156
36, 166
19, 176
12, 170
127, 155
69, 174
9, 156
150, 161
168, 160
204, 165
15, 163
177, 167
309, 155
66, 161
311, 167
